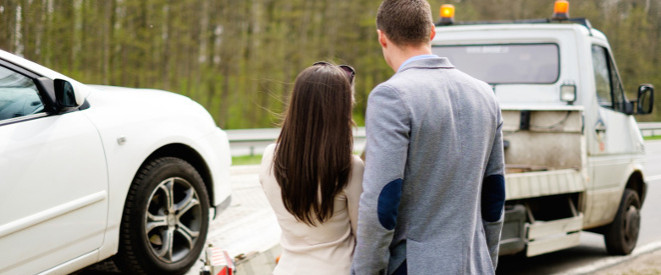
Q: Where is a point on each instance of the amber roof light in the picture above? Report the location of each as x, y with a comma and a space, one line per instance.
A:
447, 14
561, 10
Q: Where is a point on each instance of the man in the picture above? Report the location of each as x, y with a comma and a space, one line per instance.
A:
433, 186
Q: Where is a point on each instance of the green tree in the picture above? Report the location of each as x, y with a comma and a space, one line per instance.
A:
239, 58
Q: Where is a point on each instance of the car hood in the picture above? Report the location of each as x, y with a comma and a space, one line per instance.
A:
136, 94
122, 105
128, 99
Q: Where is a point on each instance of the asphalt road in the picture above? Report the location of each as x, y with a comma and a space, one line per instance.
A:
591, 254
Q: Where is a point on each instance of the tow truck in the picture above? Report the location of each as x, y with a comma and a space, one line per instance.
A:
573, 151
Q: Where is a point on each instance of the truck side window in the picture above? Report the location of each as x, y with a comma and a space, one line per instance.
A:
609, 88
618, 92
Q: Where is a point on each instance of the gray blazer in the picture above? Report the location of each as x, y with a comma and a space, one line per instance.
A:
433, 187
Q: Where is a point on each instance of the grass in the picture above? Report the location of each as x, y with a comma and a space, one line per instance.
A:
256, 159
247, 160
652, 138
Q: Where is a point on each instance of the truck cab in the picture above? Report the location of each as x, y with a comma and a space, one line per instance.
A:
573, 151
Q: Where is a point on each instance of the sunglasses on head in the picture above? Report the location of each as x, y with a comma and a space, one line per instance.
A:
351, 73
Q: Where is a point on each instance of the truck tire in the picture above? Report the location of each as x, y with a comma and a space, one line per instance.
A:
622, 234
165, 220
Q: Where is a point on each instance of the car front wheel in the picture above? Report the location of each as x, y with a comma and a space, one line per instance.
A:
165, 220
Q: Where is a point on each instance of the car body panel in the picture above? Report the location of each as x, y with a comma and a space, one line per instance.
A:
43, 221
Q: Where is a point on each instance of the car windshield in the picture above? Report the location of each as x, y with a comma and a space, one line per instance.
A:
505, 63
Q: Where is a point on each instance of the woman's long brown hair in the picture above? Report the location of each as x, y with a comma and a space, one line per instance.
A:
312, 160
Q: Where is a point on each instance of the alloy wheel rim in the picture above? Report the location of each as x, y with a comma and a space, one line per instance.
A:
173, 220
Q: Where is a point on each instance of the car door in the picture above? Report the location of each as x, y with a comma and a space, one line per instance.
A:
612, 147
53, 180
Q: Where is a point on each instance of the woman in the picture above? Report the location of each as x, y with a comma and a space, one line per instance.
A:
310, 177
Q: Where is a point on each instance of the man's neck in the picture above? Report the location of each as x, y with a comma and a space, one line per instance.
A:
404, 53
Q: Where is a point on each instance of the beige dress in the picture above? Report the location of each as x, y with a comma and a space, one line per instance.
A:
326, 248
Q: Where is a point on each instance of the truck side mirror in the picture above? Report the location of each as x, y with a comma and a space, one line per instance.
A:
628, 107
645, 99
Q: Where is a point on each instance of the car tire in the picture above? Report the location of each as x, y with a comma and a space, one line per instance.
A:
165, 220
622, 234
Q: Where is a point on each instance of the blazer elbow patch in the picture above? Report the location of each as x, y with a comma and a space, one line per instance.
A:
388, 204
493, 197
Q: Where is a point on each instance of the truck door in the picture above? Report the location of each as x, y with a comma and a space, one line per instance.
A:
611, 144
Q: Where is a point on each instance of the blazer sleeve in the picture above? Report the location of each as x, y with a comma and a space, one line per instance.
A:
493, 194
388, 130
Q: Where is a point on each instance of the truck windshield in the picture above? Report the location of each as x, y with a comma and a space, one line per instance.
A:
505, 63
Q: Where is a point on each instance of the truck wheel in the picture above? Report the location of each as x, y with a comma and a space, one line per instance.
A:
621, 235
165, 221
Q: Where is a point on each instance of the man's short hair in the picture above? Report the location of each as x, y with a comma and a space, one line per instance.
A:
405, 22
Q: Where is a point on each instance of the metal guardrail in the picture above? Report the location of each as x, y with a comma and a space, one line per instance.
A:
270, 134
650, 128
249, 142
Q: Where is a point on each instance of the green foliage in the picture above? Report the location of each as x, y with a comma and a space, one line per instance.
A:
239, 58
652, 138
247, 160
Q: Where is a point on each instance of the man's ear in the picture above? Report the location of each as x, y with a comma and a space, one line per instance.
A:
432, 34
382, 38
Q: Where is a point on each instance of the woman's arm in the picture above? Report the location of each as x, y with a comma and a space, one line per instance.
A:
353, 190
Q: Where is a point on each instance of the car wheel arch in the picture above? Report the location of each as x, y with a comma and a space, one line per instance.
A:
190, 155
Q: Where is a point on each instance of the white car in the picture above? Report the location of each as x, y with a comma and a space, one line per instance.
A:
93, 172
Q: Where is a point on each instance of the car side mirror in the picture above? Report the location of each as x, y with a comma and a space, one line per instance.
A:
64, 94
645, 100
58, 94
